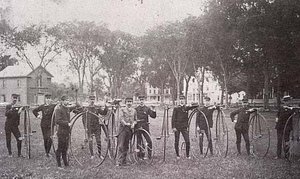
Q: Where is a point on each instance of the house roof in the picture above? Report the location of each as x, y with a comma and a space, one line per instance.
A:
18, 71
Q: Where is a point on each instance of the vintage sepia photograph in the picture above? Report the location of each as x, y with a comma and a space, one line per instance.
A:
149, 89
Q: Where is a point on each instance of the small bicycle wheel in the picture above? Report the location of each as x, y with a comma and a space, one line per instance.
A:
291, 140
142, 151
199, 140
221, 134
259, 134
91, 150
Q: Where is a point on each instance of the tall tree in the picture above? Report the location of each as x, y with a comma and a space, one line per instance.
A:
120, 55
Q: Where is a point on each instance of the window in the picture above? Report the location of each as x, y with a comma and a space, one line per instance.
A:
19, 98
149, 91
4, 98
39, 81
153, 91
167, 91
3, 84
19, 83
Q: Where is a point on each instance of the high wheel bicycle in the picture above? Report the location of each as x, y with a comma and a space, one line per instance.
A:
26, 130
259, 134
291, 136
88, 145
199, 139
141, 146
220, 133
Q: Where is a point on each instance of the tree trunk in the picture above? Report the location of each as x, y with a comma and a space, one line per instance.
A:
222, 94
266, 90
202, 85
248, 85
162, 92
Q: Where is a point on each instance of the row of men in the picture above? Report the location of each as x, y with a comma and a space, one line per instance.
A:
128, 120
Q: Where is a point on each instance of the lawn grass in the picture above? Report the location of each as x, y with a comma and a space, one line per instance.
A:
210, 167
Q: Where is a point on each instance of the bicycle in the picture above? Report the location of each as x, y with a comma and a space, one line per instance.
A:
221, 133
165, 130
27, 132
199, 140
259, 134
291, 136
98, 142
143, 152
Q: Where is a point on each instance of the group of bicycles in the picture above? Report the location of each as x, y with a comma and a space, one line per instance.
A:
88, 149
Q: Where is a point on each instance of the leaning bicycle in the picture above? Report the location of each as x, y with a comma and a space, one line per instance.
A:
259, 134
199, 139
89, 144
26, 131
291, 136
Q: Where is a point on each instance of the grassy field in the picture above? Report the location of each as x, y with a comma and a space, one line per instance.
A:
210, 167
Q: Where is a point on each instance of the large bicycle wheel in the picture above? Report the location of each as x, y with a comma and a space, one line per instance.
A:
199, 140
220, 136
259, 134
142, 152
90, 151
112, 134
53, 136
291, 140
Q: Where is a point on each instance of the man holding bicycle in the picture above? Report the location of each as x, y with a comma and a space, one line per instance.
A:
284, 112
242, 125
127, 122
180, 125
143, 121
47, 110
12, 122
202, 124
92, 125
62, 117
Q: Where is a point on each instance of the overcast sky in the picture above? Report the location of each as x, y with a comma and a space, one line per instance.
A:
126, 15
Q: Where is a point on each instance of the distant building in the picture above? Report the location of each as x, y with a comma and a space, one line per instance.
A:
211, 88
153, 94
26, 83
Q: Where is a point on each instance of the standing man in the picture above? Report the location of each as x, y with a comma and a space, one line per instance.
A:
12, 122
242, 125
143, 121
202, 124
93, 125
62, 117
180, 124
127, 122
284, 112
47, 110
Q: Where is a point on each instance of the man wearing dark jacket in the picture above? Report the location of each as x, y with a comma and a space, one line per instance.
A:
180, 125
142, 113
47, 110
91, 122
12, 122
205, 114
242, 125
62, 118
284, 112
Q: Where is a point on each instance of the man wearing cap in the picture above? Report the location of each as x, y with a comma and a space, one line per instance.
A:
127, 122
180, 125
47, 110
242, 125
143, 121
91, 123
284, 112
12, 122
62, 117
206, 114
